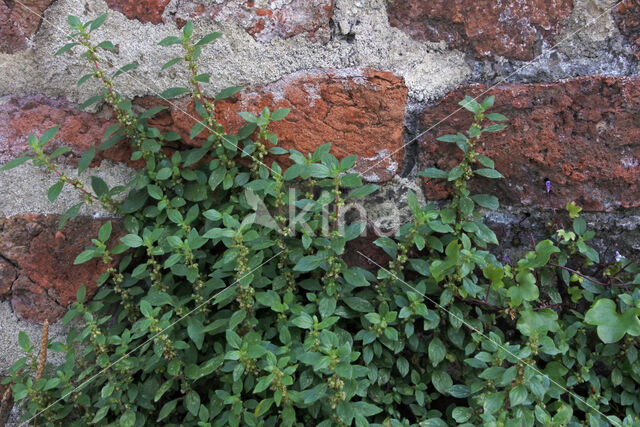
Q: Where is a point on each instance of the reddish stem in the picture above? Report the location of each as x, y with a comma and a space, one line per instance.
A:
60, 174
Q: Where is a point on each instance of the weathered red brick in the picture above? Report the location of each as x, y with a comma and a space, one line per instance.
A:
581, 134
142, 10
487, 27
359, 251
361, 111
33, 303
18, 22
627, 16
264, 24
21, 116
7, 276
43, 279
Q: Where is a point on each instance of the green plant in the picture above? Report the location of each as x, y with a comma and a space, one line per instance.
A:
219, 309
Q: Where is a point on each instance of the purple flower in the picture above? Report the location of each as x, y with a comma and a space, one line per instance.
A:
619, 257
506, 259
548, 185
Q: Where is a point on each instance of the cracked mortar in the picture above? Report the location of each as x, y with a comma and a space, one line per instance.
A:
428, 70
24, 189
11, 325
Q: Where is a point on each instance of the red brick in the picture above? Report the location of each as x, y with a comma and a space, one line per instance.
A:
19, 22
627, 16
44, 280
581, 134
142, 10
310, 18
487, 27
21, 116
361, 111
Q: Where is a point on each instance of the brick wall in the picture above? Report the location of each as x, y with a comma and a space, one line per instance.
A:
369, 76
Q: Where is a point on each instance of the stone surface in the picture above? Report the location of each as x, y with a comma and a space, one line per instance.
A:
24, 189
361, 111
509, 28
46, 281
21, 116
142, 10
627, 16
265, 20
11, 325
19, 21
588, 44
235, 59
581, 134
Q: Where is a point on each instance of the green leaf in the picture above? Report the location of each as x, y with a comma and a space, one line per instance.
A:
359, 304
518, 395
496, 117
314, 394
494, 128
81, 294
125, 68
97, 23
128, 419
563, 415
263, 383
366, 409
170, 63
167, 409
105, 231
99, 186
74, 22
355, 277
49, 134
65, 48
84, 79
441, 381
23, 340
611, 326
437, 351
228, 92
102, 412
106, 45
59, 152
455, 173
309, 263
84, 256
434, 173
15, 163
488, 173
203, 78
90, 101
188, 29
363, 191
304, 321
488, 102
537, 322
54, 191
132, 240
196, 332
192, 402
208, 38
152, 112
280, 114
168, 41
70, 214
486, 201
486, 161
470, 104
173, 92
237, 318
